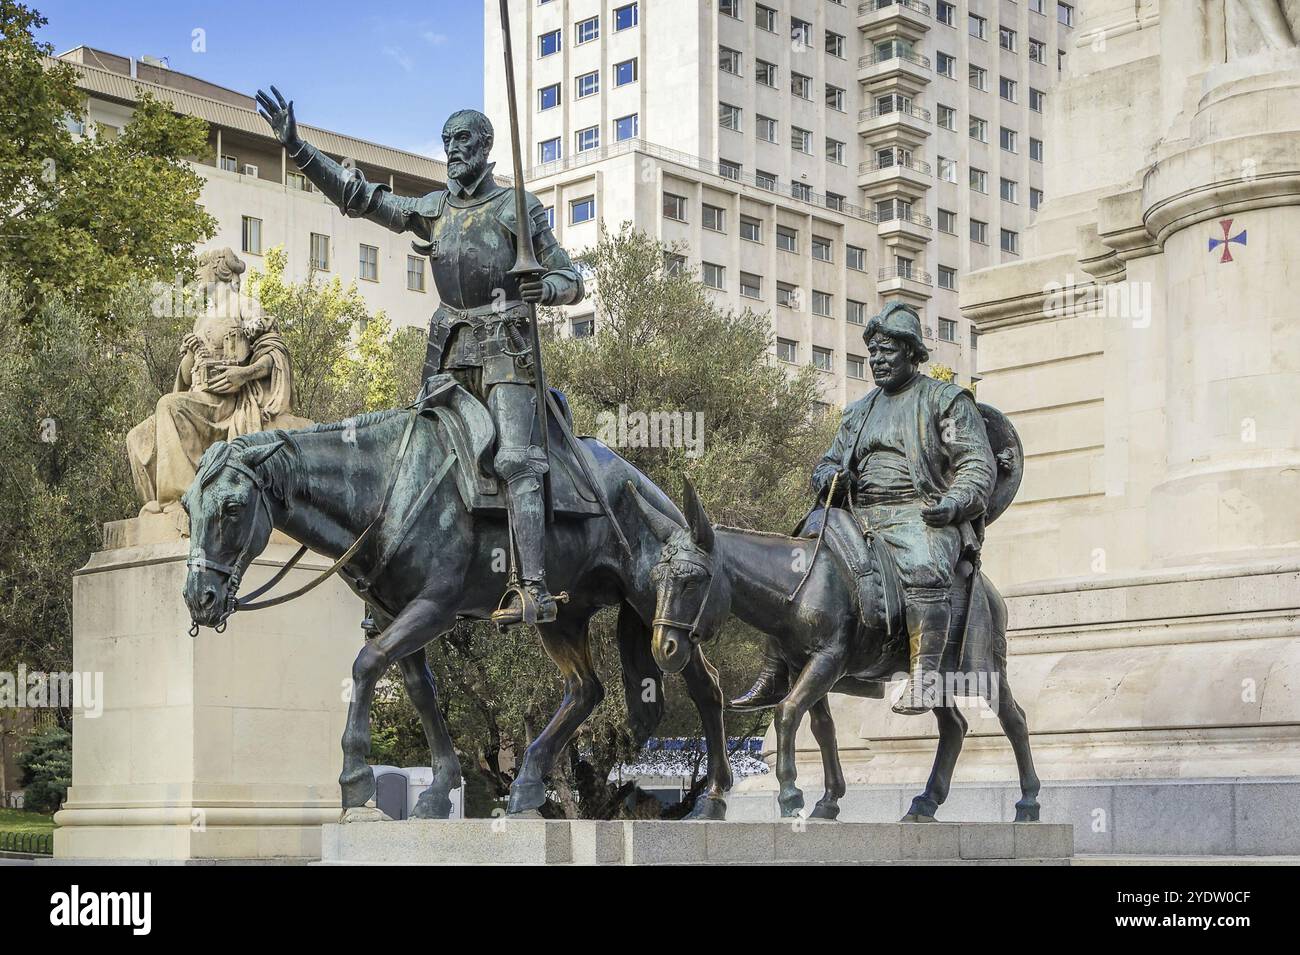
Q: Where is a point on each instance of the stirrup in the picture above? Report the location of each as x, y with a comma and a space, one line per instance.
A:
527, 602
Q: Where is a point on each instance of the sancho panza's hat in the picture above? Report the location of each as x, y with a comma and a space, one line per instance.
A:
899, 320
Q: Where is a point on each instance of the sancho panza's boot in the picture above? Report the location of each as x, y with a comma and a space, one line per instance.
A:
771, 686
526, 600
928, 613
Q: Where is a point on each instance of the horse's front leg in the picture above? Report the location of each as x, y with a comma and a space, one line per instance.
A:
816, 680
823, 727
952, 732
418, 623
565, 642
702, 683
434, 802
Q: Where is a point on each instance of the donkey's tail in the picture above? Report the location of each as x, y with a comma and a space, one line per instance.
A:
643, 682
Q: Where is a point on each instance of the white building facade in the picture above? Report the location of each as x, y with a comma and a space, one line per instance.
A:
815, 157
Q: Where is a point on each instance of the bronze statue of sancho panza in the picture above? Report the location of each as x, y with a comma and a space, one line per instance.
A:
480, 333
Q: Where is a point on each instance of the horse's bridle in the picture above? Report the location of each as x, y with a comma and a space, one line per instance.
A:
693, 627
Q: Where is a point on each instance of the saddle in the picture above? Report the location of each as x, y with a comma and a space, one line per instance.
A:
465, 426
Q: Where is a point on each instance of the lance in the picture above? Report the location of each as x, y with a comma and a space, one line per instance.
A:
526, 265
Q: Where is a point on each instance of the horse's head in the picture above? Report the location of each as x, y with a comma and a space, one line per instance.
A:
689, 604
230, 524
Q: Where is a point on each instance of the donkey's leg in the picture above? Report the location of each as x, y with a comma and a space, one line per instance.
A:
1012, 718
823, 727
706, 693
816, 680
565, 641
418, 623
434, 802
952, 732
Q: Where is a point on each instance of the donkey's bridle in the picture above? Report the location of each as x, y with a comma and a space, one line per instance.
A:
693, 627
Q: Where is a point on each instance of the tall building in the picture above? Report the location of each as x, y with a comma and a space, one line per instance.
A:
814, 157
258, 197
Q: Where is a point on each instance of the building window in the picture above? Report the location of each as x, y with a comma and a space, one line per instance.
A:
729, 8
834, 151
787, 295
625, 72
582, 210
855, 366
822, 358
801, 86
821, 249
751, 230
947, 169
835, 44
415, 273
728, 169
855, 312
948, 221
320, 252
584, 326
729, 116
945, 13
801, 140
587, 139
751, 286
834, 98
674, 207
765, 128
979, 180
765, 73
1007, 38
1036, 100
835, 201
626, 17
1008, 139
765, 18
821, 304
855, 258
1038, 6
945, 65
588, 84
729, 60
947, 277
1010, 190
947, 117
548, 43
1035, 198
549, 212
947, 330
787, 239
715, 276
1007, 88
979, 77
1065, 14
979, 232
548, 150
368, 263
765, 180
674, 263
714, 218
801, 33
801, 191
1037, 51
548, 97
230, 163
1010, 242
297, 180
251, 235
627, 127
588, 29
978, 27
1035, 149
787, 350
979, 129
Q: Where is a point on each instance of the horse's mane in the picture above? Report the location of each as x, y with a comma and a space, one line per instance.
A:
750, 530
356, 421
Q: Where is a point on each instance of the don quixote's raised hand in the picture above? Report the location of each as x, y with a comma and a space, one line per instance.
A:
279, 114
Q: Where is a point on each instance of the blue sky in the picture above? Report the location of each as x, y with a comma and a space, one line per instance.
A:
387, 72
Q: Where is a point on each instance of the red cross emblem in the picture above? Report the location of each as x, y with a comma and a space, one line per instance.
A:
1240, 237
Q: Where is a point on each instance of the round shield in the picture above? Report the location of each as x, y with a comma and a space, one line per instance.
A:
1009, 456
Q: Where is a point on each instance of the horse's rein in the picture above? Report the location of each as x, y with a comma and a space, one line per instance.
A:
821, 532
694, 625
233, 573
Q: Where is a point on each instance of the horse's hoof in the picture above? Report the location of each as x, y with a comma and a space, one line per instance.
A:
364, 814
790, 805
525, 795
917, 817
1027, 813
824, 810
432, 806
709, 807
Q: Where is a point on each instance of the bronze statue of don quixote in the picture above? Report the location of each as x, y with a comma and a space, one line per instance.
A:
413, 507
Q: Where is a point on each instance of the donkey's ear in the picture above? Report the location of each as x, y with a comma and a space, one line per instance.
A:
701, 526
662, 526
257, 455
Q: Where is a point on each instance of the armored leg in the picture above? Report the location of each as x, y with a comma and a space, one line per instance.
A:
521, 465
771, 686
928, 612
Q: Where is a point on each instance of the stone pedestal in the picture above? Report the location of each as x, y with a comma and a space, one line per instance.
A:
223, 746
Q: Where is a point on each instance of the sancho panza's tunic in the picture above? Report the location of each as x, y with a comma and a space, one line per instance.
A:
905, 452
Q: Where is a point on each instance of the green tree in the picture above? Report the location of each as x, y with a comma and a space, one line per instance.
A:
84, 216
46, 766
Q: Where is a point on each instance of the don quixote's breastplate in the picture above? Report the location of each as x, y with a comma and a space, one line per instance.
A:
471, 252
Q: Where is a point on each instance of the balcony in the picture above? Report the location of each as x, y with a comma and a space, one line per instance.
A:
904, 280
909, 18
911, 175
898, 66
879, 123
913, 226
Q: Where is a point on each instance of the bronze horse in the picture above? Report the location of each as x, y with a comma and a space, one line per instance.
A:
705, 573
327, 487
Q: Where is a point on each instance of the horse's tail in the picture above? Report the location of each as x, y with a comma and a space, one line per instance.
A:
643, 682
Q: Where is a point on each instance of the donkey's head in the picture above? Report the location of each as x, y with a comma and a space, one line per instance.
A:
230, 523
690, 603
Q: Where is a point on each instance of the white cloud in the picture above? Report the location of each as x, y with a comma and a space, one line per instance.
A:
402, 60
